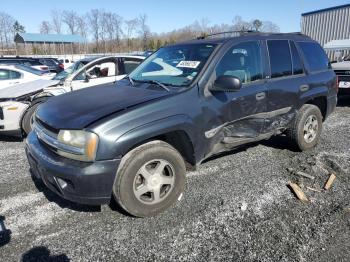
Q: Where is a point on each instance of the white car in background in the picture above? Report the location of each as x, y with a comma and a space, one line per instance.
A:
18, 74
19, 103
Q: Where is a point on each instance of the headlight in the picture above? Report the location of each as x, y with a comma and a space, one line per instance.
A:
77, 144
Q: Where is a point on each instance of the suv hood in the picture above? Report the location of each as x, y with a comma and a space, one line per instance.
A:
78, 109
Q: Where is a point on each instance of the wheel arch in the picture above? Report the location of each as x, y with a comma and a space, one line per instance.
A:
321, 103
176, 131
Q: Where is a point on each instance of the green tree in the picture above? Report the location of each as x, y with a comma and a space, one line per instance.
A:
18, 28
257, 24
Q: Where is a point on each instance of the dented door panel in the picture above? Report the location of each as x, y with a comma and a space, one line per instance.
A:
235, 117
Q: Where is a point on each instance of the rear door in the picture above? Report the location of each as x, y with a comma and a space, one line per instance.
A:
287, 79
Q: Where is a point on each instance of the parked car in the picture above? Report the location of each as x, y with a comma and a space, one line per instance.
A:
132, 141
11, 75
32, 62
53, 64
342, 70
67, 62
27, 97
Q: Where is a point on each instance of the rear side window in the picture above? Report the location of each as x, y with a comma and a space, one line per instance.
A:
280, 58
15, 75
315, 56
4, 74
297, 65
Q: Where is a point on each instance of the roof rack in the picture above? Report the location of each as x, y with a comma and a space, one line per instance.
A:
240, 33
227, 34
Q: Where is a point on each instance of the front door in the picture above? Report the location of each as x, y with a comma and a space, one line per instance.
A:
240, 115
101, 72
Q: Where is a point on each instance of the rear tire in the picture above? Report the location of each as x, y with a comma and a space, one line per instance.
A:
28, 118
306, 129
150, 179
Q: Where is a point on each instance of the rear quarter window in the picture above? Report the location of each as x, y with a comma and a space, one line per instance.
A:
315, 56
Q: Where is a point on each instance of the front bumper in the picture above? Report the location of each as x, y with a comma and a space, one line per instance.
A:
85, 183
11, 113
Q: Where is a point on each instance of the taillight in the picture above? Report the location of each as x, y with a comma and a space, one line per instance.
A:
44, 68
61, 66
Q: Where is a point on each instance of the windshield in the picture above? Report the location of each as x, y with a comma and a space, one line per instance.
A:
31, 70
175, 65
70, 70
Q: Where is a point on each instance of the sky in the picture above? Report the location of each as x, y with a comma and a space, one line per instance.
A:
164, 16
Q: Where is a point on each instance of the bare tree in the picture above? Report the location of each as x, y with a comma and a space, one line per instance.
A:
130, 29
240, 25
45, 27
70, 19
82, 26
94, 18
56, 21
268, 26
6, 30
144, 30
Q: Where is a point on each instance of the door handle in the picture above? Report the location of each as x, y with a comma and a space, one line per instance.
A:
260, 96
304, 88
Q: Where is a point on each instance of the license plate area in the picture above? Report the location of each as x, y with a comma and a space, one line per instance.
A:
344, 84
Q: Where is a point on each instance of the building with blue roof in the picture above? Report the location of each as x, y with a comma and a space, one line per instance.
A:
327, 25
32, 43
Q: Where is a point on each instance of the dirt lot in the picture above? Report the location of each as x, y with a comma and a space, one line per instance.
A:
236, 207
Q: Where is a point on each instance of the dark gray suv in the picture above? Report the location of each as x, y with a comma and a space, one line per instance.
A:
133, 140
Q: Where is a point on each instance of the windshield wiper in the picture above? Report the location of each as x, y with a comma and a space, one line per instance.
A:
130, 80
156, 83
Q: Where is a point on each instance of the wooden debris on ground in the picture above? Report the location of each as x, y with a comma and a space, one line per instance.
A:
300, 173
330, 181
313, 189
298, 192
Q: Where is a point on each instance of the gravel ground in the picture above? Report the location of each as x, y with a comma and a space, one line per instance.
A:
235, 207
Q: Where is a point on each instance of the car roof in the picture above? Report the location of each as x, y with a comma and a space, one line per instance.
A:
217, 39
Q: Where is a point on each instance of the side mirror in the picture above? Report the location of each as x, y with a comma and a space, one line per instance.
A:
87, 77
227, 84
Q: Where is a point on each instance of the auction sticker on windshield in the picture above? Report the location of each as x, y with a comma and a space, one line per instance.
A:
188, 64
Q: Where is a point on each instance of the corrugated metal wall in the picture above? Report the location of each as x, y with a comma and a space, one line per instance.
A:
328, 25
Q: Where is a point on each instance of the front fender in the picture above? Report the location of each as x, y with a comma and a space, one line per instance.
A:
140, 134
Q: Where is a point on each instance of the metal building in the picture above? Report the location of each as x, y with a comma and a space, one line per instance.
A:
327, 24
33, 44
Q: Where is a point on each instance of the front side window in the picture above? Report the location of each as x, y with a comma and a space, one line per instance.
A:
129, 65
99, 70
242, 61
315, 56
4, 74
174, 65
280, 58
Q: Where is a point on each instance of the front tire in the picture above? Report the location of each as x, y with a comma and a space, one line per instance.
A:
28, 118
150, 179
306, 129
